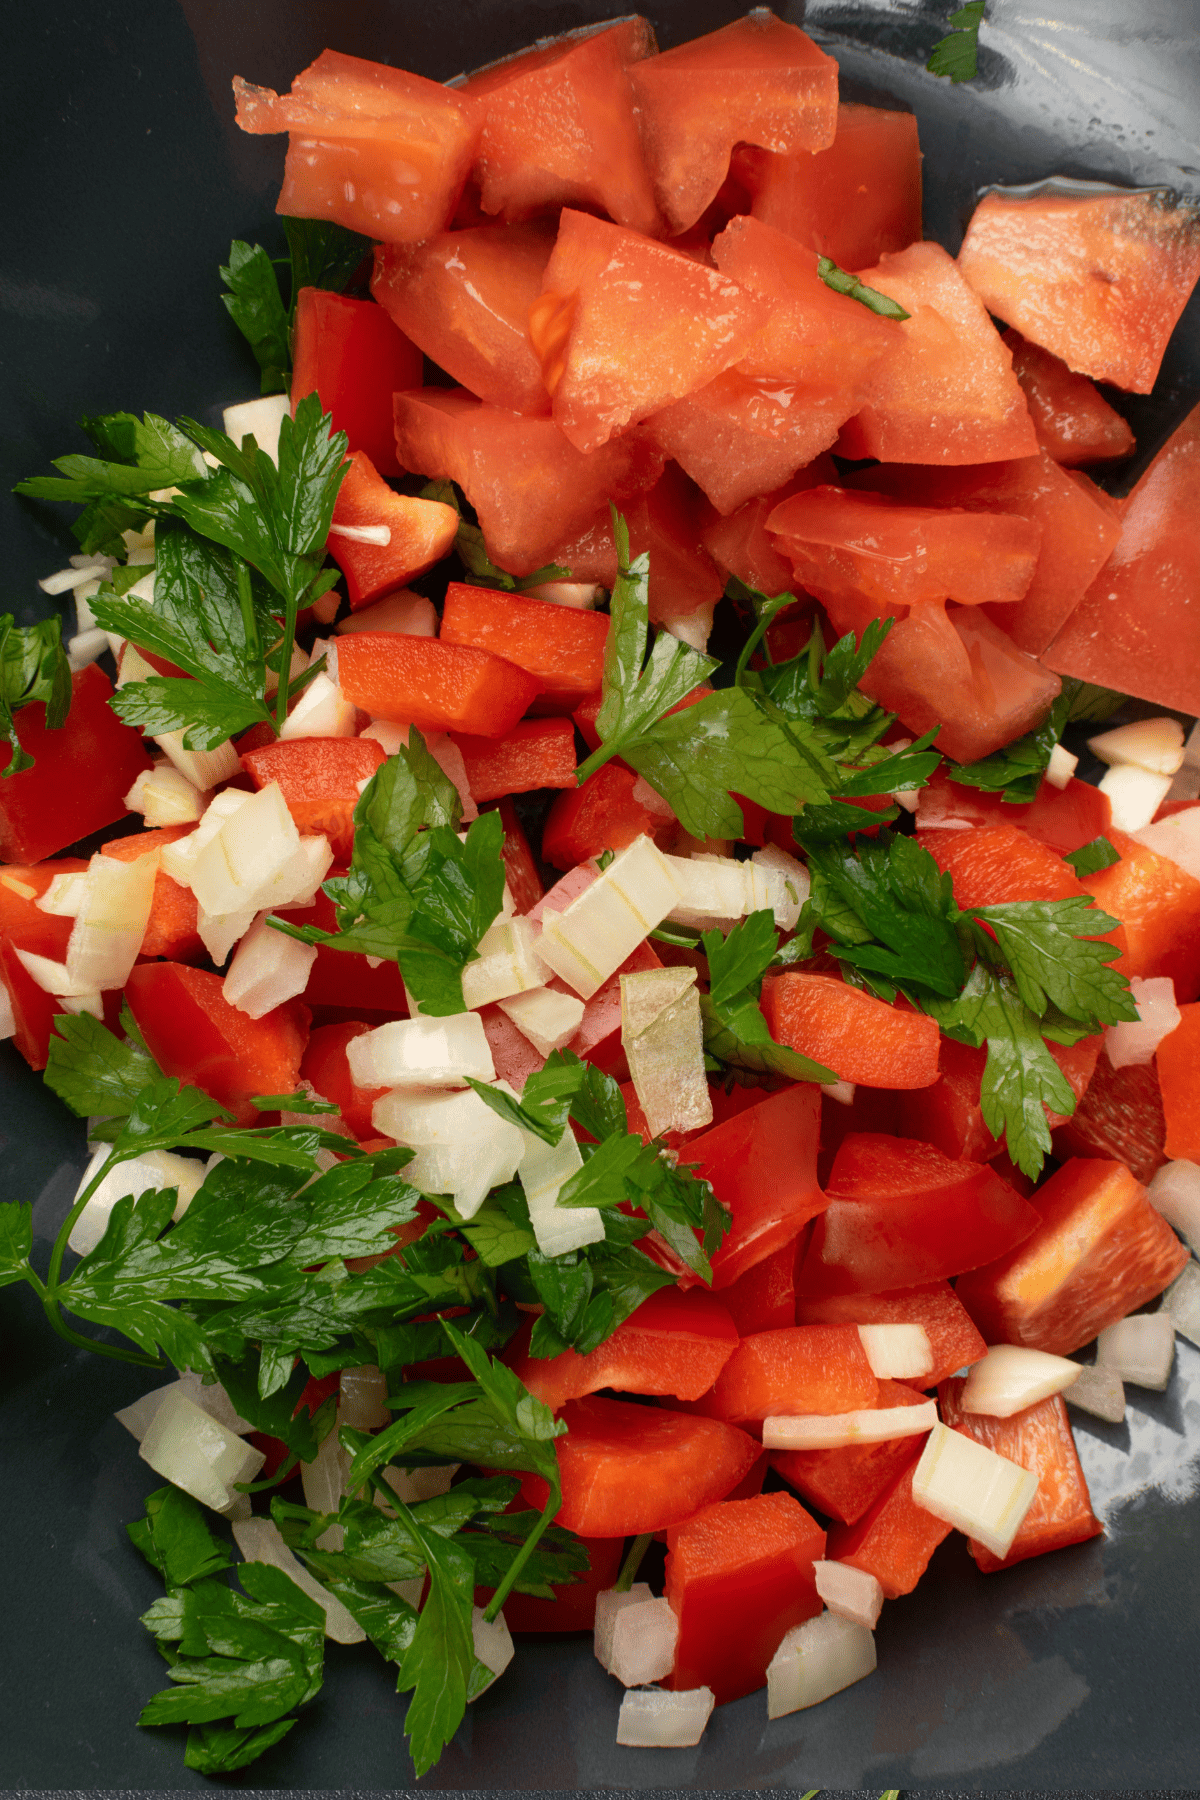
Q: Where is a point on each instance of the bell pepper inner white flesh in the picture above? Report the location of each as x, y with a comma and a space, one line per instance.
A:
897, 1352
595, 933
979, 1492
1011, 1377
422, 1053
834, 1431
816, 1659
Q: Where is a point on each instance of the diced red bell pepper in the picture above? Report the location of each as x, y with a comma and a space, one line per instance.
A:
464, 298
626, 1468
563, 647
344, 978
601, 815
869, 1109
319, 780
1119, 1119
537, 753
532, 490
559, 127
741, 544
1039, 1439
325, 1065
1074, 422
1158, 904
193, 1032
171, 929
763, 1166
1100, 1251
674, 1343
851, 202
435, 686
1178, 1062
1138, 626
894, 1540
756, 81
844, 1483
379, 150
81, 774
861, 1038
998, 863
900, 1213
764, 1298
933, 1305
1064, 818
625, 325
349, 353
1098, 279
739, 1577
945, 393
796, 1370
24, 926
422, 531
573, 1607
521, 871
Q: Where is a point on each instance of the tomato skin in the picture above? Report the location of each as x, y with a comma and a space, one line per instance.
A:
674, 1344
764, 1298
845, 1483
861, 1038
349, 353
47, 807
953, 1338
893, 1540
435, 686
740, 1575
1074, 423
900, 1213
422, 531
741, 544
563, 648
325, 1065
318, 778
1065, 819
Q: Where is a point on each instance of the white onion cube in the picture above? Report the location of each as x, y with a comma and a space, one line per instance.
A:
788, 884
268, 969
422, 1053
210, 1397
1011, 1377
321, 711
547, 1018
165, 797
851, 1593
1136, 1040
507, 964
816, 1659
250, 848
980, 1493
1152, 744
1178, 836
65, 896
1140, 1348
643, 1642
897, 1352
595, 933
1182, 1301
663, 1039
203, 768
140, 1175
260, 1540
462, 1147
652, 1719
362, 1398
259, 419
1061, 767
1175, 1193
493, 1643
714, 889
1098, 1391
406, 613
1134, 794
609, 1605
414, 1485
197, 1453
111, 922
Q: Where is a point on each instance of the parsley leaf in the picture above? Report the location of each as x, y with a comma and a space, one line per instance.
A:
95, 1071
735, 1031
1091, 858
1057, 959
842, 282
33, 666
256, 307
956, 55
323, 255
896, 890
16, 1241
175, 1539
1019, 767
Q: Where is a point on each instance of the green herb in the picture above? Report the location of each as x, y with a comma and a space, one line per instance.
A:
1091, 858
956, 55
33, 667
1019, 767
320, 254
842, 282
735, 1032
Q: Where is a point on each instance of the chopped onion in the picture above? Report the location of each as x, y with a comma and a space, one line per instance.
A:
508, 964
211, 1398
635, 1635
64, 896
609, 1604
1182, 1301
1134, 794
1011, 1377
321, 711
197, 1453
387, 734
268, 968
1061, 767
1136, 1041
788, 884
715, 889
548, 1018
663, 1039
65, 579
178, 858
849, 1592
324, 1483
219, 935
897, 1352
1155, 745
1098, 1391
542, 1171
596, 932
578, 594
111, 923
462, 1148
422, 1053
816, 1659
1140, 1348
165, 797
493, 1644
1175, 1193
256, 859
362, 1398
85, 647
154, 1169
694, 627
979, 1492
259, 419
52, 977
203, 768
408, 614
260, 1540
415, 1485
1177, 837
8, 1018
834, 1431
652, 1719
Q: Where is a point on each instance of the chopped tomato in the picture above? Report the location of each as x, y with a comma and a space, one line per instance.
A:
351, 356
1158, 904
1120, 1117
1073, 421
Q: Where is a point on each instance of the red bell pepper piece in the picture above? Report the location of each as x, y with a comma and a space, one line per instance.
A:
80, 776
524, 881
171, 930
562, 646
950, 1113
665, 523
1064, 818
792, 1371
344, 978
739, 1576
674, 1343
422, 531
325, 1065
952, 1335
1100, 1251
435, 686
845, 1483
537, 753
899, 1213
319, 780
1039, 1438
894, 1540
601, 815
626, 1469
573, 1607
192, 1032
764, 1298
862, 1039
1178, 1062
1158, 904
350, 354
1119, 1119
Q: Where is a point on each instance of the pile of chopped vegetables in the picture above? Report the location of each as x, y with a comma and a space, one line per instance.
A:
552, 1085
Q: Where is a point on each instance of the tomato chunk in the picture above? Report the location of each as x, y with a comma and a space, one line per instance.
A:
422, 531
893, 1540
674, 1343
1100, 1251
933, 1305
1064, 818
739, 1576
319, 779
464, 298
1039, 1438
626, 1469
666, 524
862, 1039
381, 151
756, 81
799, 1369
349, 353
741, 543
537, 753
853, 201
1098, 279
901, 1213
740, 435
47, 807
561, 646
192, 1032
1074, 423
435, 686
325, 1065
625, 325
764, 1298
845, 1483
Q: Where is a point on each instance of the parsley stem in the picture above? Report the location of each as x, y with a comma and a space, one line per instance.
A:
765, 620
633, 1562
553, 1502
285, 661
597, 760
113, 1351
